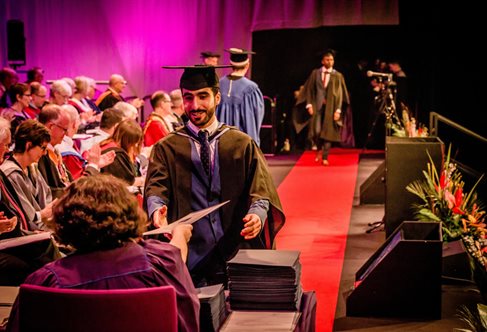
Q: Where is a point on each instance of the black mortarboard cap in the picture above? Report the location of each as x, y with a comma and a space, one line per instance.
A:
198, 76
239, 56
209, 54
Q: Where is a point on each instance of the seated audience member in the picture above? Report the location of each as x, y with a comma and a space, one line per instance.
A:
129, 111
8, 78
31, 140
51, 165
103, 223
112, 95
87, 115
109, 120
9, 201
16, 266
91, 94
77, 164
20, 96
71, 84
60, 92
11, 215
177, 106
162, 121
126, 141
38, 94
35, 74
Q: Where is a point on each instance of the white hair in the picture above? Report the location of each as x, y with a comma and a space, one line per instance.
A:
129, 111
61, 86
71, 112
4, 128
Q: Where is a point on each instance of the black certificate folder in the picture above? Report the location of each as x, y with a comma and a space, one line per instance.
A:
265, 280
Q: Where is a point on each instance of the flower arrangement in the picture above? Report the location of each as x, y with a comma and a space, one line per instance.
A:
408, 126
445, 200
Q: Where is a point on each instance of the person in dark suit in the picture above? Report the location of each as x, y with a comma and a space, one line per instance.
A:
324, 94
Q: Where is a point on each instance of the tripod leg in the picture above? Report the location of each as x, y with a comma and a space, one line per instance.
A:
369, 134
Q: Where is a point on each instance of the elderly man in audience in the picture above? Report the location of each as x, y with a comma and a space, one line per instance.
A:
51, 164
113, 94
103, 222
31, 140
162, 120
177, 106
77, 164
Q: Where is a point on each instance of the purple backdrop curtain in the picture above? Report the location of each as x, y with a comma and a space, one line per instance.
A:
135, 38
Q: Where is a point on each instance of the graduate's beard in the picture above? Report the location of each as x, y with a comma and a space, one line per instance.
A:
204, 116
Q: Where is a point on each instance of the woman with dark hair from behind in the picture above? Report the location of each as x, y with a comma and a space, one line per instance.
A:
126, 141
102, 222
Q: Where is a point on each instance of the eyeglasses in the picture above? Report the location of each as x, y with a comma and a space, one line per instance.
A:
27, 94
43, 147
66, 97
64, 129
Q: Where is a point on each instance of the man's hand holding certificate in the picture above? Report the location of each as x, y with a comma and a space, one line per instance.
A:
188, 219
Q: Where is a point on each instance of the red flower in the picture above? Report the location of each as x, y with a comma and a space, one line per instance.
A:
459, 196
443, 180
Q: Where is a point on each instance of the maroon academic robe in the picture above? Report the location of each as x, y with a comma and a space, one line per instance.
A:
150, 263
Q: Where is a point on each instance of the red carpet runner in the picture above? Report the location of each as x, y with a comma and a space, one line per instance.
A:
317, 201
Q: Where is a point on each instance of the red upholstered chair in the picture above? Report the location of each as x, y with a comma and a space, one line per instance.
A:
73, 310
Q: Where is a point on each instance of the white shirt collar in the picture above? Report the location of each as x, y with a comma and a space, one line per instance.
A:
329, 70
211, 129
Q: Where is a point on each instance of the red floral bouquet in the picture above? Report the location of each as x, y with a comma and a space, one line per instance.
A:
445, 200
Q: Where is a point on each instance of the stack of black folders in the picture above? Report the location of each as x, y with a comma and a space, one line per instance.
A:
265, 290
265, 280
212, 307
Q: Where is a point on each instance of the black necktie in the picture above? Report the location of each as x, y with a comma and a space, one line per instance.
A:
205, 150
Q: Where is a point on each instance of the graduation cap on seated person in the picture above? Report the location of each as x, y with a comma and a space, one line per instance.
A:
198, 76
239, 56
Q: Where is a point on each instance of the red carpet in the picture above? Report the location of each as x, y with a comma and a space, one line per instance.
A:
317, 201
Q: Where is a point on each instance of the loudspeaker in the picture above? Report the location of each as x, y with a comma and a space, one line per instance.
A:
15, 41
406, 159
372, 191
403, 277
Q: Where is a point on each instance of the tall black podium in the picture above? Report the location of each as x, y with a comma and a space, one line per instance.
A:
406, 159
403, 277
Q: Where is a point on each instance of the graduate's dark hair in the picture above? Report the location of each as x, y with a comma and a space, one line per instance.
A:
97, 213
